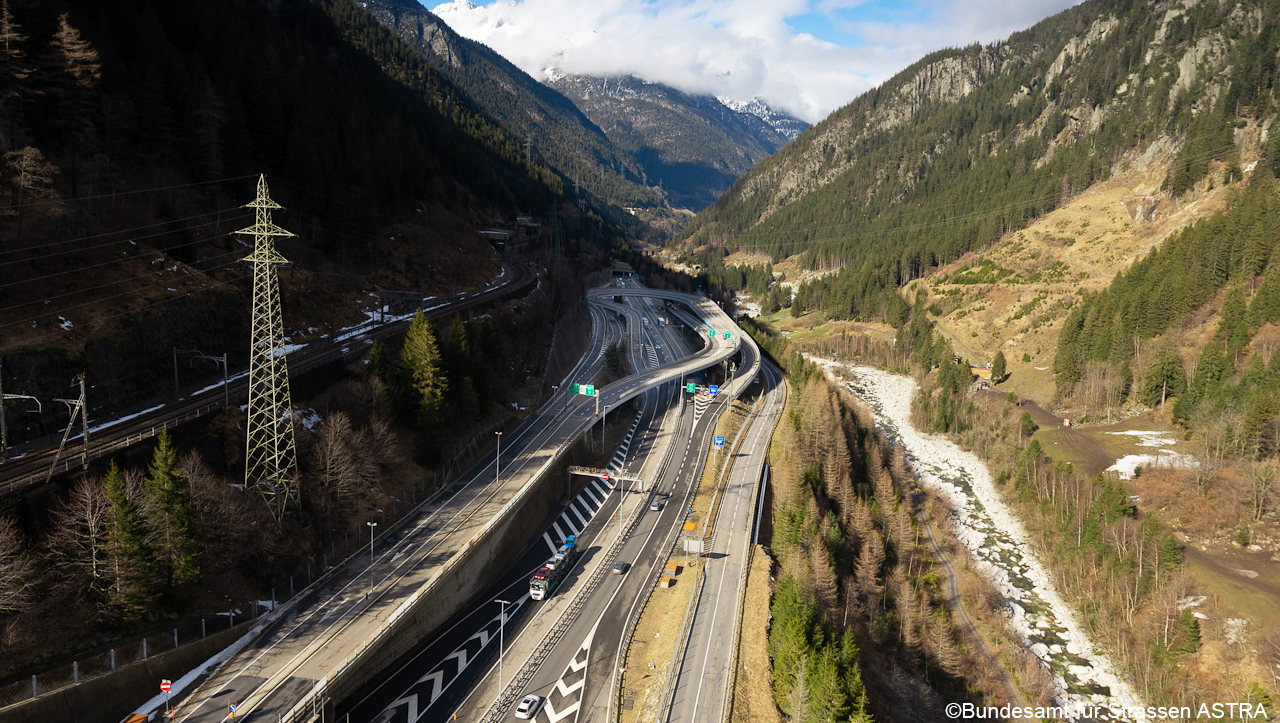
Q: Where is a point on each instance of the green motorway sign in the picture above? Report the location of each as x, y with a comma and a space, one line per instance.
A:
575, 388
712, 332
691, 387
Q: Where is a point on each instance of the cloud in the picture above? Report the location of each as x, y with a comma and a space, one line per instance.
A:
806, 56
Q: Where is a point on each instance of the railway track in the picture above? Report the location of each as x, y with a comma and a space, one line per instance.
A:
34, 468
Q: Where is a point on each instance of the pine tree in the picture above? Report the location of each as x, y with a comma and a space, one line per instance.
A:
829, 702
171, 513
998, 368
13, 71
1165, 376
133, 589
75, 82
422, 363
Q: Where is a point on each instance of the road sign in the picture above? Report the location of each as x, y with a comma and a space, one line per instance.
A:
719, 441
714, 389
604, 477
726, 335
589, 390
575, 388
712, 332
165, 685
691, 387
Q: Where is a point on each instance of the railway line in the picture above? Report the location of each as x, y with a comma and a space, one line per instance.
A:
112, 435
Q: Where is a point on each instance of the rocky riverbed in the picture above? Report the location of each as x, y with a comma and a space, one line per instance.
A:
997, 543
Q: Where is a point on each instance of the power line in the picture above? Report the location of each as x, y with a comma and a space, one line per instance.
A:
108, 263
116, 194
102, 299
230, 219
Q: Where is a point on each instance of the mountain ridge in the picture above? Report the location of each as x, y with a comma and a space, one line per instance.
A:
694, 144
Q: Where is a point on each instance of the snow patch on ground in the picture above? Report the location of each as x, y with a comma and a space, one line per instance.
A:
64, 322
1148, 438
995, 538
308, 418
1233, 630
1127, 466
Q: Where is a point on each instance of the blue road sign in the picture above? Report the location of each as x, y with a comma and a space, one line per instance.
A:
719, 441
713, 389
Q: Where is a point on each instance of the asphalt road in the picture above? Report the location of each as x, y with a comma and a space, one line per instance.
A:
313, 637
702, 675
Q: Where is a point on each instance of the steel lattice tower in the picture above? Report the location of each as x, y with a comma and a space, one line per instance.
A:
270, 456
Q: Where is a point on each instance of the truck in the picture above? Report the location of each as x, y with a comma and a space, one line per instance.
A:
544, 582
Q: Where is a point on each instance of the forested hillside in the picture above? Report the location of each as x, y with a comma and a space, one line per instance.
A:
969, 144
132, 131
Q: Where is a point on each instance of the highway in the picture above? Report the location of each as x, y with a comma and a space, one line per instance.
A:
327, 628
575, 672
441, 675
29, 466
702, 677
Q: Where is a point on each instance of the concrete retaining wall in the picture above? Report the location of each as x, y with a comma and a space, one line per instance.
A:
479, 568
109, 698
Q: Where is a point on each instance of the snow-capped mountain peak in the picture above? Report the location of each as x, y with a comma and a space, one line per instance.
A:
786, 124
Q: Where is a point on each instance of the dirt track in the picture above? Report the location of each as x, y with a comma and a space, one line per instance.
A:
1079, 446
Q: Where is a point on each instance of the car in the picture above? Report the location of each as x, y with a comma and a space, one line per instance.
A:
655, 505
529, 707
619, 568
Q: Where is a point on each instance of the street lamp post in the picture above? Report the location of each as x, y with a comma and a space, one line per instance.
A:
372, 525
502, 621
497, 459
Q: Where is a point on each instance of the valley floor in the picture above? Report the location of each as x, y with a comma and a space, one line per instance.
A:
995, 539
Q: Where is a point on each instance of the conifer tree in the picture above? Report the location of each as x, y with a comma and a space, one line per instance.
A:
172, 514
424, 368
133, 589
13, 71
998, 368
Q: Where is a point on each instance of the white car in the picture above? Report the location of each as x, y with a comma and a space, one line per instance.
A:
529, 707
655, 505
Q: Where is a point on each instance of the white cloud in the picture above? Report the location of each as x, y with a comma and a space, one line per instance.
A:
740, 48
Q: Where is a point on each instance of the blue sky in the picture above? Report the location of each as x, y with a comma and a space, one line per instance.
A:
808, 57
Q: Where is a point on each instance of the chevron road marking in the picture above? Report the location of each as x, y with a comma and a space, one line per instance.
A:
571, 693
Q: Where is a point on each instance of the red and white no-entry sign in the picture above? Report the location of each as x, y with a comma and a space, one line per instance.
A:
604, 477
165, 685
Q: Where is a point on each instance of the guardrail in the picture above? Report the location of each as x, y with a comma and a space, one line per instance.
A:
300, 710
742, 579
304, 709
507, 696
668, 688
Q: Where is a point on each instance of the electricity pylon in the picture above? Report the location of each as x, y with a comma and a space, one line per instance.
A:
270, 456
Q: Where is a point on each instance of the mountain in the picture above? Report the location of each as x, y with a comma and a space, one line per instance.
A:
785, 124
694, 146
135, 131
968, 144
553, 128
1090, 206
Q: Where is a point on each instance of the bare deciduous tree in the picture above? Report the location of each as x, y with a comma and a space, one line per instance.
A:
77, 544
17, 569
1263, 486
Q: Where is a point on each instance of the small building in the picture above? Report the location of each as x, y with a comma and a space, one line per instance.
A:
1066, 421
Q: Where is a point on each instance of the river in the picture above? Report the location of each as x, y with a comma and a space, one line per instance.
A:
999, 546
